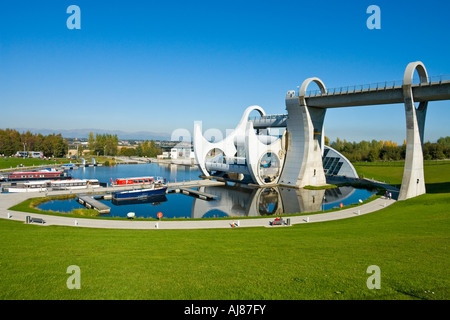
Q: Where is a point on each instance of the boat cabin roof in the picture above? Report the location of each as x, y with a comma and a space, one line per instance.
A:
135, 178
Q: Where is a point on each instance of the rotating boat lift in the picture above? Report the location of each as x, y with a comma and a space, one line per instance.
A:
295, 157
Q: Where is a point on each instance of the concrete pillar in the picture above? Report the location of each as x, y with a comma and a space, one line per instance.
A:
303, 164
413, 182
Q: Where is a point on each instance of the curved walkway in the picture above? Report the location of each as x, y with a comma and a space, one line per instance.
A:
9, 200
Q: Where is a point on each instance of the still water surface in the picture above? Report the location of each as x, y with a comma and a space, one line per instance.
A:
233, 201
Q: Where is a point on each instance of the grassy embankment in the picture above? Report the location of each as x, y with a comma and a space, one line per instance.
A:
20, 163
408, 241
437, 173
15, 163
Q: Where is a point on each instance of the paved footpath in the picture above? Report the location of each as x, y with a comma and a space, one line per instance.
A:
9, 200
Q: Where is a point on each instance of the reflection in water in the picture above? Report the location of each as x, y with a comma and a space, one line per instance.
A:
232, 201
155, 200
240, 201
268, 202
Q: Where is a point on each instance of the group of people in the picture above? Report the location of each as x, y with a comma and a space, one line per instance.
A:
388, 195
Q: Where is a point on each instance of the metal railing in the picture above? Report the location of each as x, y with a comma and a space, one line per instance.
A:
377, 86
269, 117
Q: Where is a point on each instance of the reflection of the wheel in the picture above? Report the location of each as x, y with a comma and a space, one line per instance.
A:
244, 201
268, 203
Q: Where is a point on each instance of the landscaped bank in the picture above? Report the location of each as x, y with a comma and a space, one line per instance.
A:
408, 241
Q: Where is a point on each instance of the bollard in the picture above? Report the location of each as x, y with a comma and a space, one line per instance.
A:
307, 219
76, 222
359, 212
27, 219
156, 225
237, 224
9, 216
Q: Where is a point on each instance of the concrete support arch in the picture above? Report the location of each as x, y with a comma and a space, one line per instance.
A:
227, 145
254, 146
303, 164
413, 182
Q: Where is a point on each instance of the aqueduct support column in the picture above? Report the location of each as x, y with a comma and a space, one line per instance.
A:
413, 182
303, 164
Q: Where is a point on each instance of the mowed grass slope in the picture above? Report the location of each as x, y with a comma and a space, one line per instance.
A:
408, 241
437, 173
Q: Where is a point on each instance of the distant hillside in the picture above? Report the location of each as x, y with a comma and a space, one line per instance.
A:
84, 133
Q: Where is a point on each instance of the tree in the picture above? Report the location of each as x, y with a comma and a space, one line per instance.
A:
374, 155
104, 144
148, 149
91, 143
128, 152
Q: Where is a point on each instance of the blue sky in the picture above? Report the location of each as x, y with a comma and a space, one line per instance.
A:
161, 65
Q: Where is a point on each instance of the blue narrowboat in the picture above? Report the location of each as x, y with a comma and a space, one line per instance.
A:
139, 193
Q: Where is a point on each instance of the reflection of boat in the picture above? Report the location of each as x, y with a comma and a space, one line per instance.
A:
154, 200
137, 194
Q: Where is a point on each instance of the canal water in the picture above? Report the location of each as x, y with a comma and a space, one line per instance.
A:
232, 201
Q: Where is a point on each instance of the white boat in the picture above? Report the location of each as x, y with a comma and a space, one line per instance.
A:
46, 185
35, 186
74, 184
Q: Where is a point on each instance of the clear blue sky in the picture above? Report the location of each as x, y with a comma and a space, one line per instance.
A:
161, 65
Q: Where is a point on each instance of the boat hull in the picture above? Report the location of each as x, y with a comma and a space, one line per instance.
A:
18, 190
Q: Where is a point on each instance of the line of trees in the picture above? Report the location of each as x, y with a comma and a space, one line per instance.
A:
145, 149
387, 150
107, 144
103, 144
12, 141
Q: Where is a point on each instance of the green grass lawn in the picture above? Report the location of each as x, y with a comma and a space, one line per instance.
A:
408, 241
28, 162
437, 173
15, 163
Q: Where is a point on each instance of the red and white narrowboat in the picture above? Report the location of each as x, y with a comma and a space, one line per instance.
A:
37, 175
137, 181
